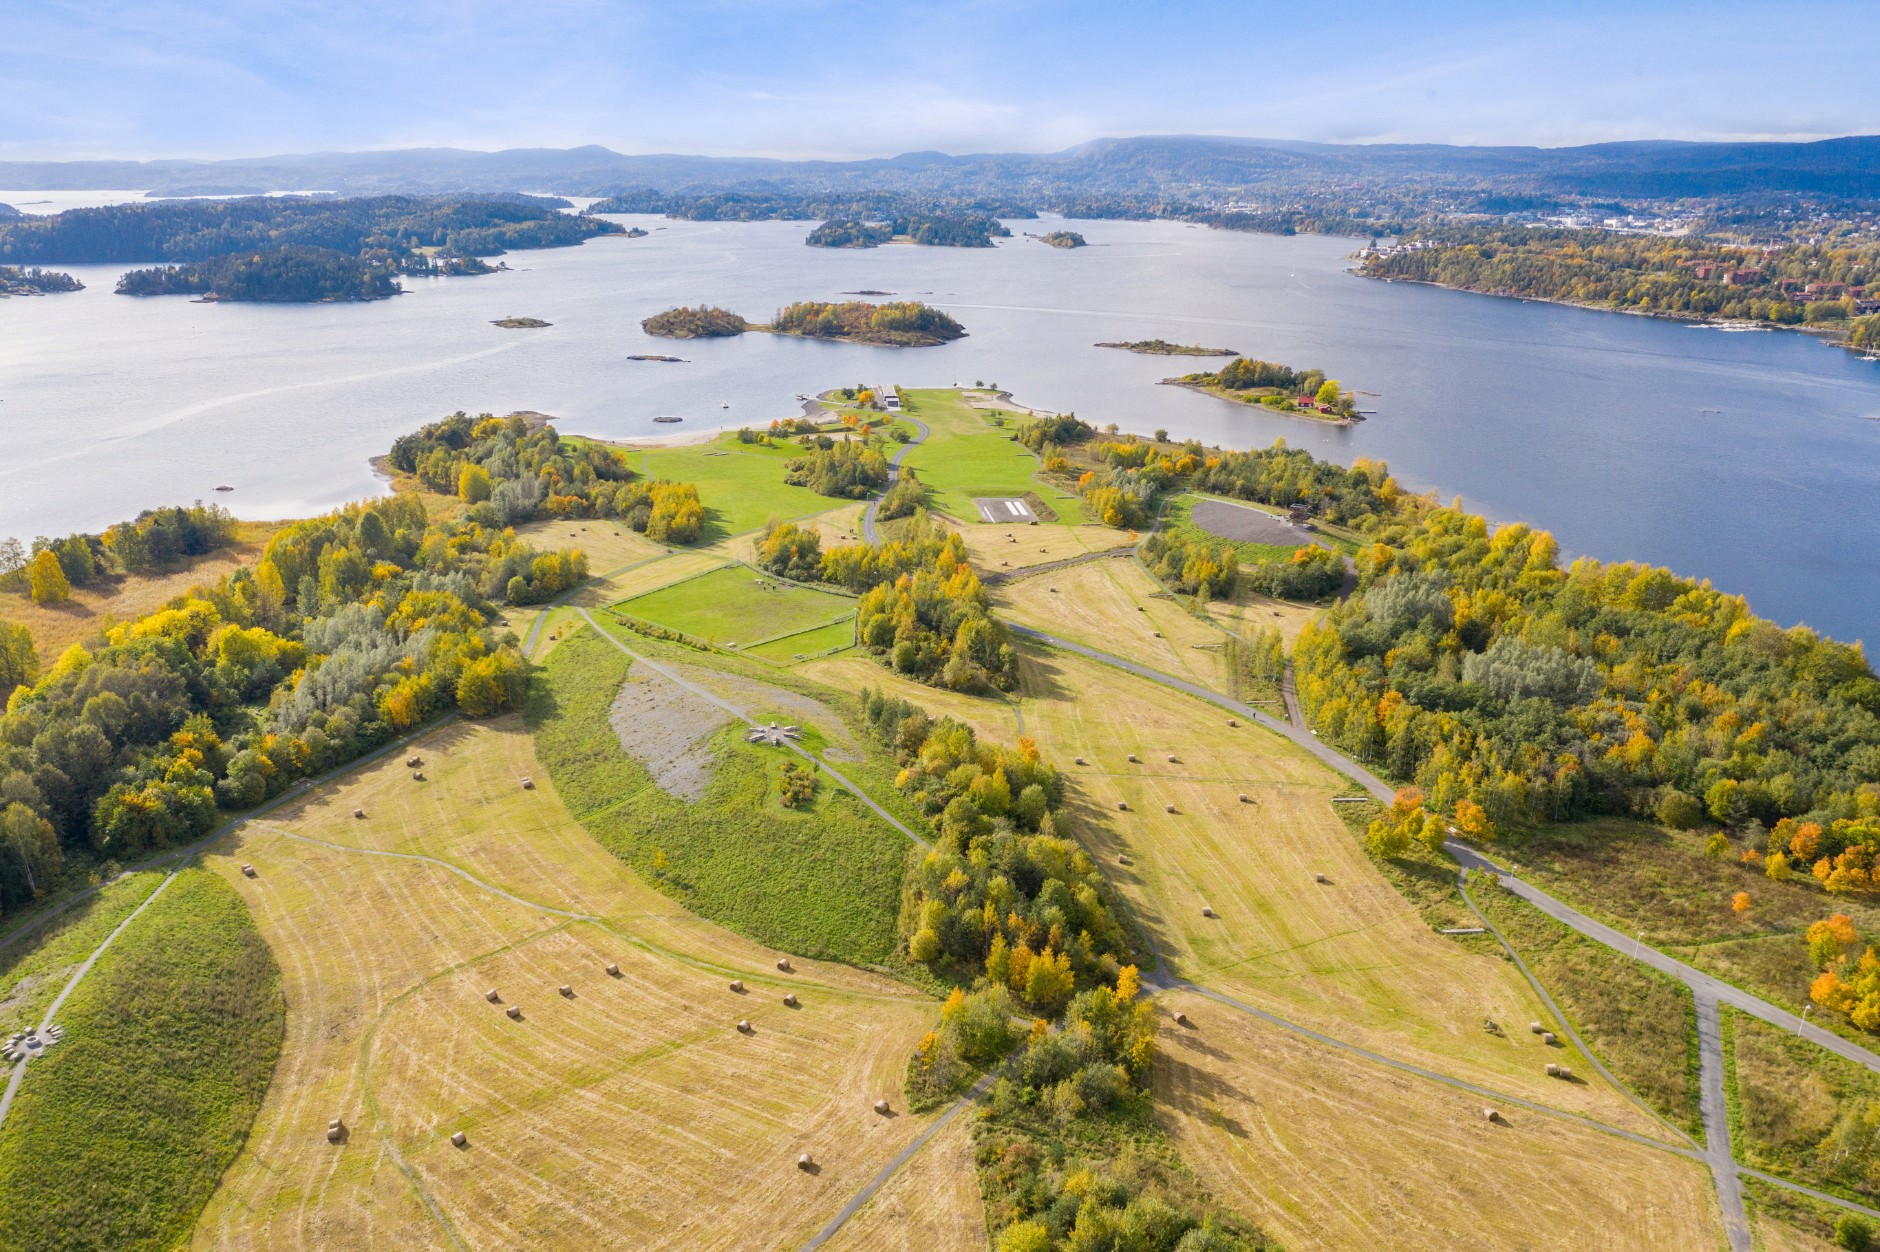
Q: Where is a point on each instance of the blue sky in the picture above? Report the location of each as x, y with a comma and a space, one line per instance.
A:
211, 78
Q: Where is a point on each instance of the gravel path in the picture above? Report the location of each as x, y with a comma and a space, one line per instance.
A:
894, 472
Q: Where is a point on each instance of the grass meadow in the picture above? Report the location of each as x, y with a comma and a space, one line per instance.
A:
736, 605
1799, 1111
122, 1131
741, 485
965, 456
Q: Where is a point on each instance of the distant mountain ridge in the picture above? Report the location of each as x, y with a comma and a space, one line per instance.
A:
1147, 165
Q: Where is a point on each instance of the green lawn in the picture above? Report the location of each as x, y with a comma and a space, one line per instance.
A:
965, 455
808, 642
121, 1132
741, 485
822, 881
727, 606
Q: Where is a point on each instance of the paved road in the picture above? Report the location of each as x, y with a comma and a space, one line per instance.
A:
1290, 694
894, 472
1716, 1109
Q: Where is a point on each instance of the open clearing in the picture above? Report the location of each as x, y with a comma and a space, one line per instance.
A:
34, 968
1006, 547
630, 1115
741, 485
1247, 611
57, 627
1116, 606
1325, 1151
608, 546
737, 605
965, 456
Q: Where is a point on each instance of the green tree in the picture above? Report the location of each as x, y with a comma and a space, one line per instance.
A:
19, 665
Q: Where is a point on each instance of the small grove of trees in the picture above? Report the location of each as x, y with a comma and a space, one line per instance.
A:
849, 469
1192, 567
1310, 573
1001, 897
791, 551
157, 539
906, 497
19, 662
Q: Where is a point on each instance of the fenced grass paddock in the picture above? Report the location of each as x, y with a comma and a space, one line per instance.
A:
735, 604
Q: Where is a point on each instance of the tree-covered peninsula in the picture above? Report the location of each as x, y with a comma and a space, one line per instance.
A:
18, 281
1306, 393
293, 275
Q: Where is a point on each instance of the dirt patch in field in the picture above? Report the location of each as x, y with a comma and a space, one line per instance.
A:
762, 700
1234, 521
668, 730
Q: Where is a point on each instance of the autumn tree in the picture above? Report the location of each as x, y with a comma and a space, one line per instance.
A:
47, 580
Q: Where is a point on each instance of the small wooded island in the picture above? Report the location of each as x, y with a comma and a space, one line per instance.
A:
1063, 239
972, 230
1303, 393
903, 324
18, 281
1162, 347
521, 323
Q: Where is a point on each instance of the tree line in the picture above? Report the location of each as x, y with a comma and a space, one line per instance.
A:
32, 281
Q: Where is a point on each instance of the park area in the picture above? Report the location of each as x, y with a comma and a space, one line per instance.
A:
735, 606
966, 456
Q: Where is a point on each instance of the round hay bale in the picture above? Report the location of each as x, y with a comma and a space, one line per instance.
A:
1078, 760
491, 995
1140, 609
412, 762
789, 998
1158, 634
528, 784
1054, 591
515, 1012
1547, 1038
1172, 758
1207, 910
804, 1162
1553, 1070
1168, 808
1565, 1072
737, 985
783, 963
1181, 1019
1243, 798
1535, 1027
418, 777
1320, 878
459, 1139
359, 813
248, 870
1489, 1115
336, 1124
1132, 758
744, 1025
882, 1107
1232, 722
1122, 806
567, 991
613, 970
334, 1134
1122, 860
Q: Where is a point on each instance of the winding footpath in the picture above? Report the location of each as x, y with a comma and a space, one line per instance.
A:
894, 472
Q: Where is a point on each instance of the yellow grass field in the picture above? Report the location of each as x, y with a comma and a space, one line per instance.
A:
841, 525
649, 577
1349, 957
993, 717
630, 1115
995, 547
57, 627
1116, 606
608, 546
931, 1205
1248, 610
1326, 1151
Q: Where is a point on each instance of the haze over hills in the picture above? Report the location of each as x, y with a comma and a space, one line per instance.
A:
1148, 165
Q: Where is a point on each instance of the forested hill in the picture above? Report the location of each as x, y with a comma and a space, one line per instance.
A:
275, 276
394, 228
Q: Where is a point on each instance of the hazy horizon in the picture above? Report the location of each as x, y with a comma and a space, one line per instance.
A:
210, 79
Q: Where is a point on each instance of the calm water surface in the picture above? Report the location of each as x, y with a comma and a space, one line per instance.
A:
1751, 459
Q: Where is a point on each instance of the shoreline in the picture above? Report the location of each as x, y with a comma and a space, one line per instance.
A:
1833, 337
1221, 394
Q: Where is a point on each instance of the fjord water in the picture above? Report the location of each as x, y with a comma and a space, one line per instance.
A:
1752, 459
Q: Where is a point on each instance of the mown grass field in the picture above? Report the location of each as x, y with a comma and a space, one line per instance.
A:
740, 485
808, 643
931, 1204
996, 548
965, 455
1116, 606
1350, 957
608, 546
1323, 1150
123, 1129
1797, 1110
737, 605
631, 1115
36, 967
822, 881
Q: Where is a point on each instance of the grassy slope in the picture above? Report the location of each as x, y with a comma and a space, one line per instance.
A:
966, 456
1789, 1096
122, 1131
741, 485
1637, 877
822, 882
35, 969
727, 606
